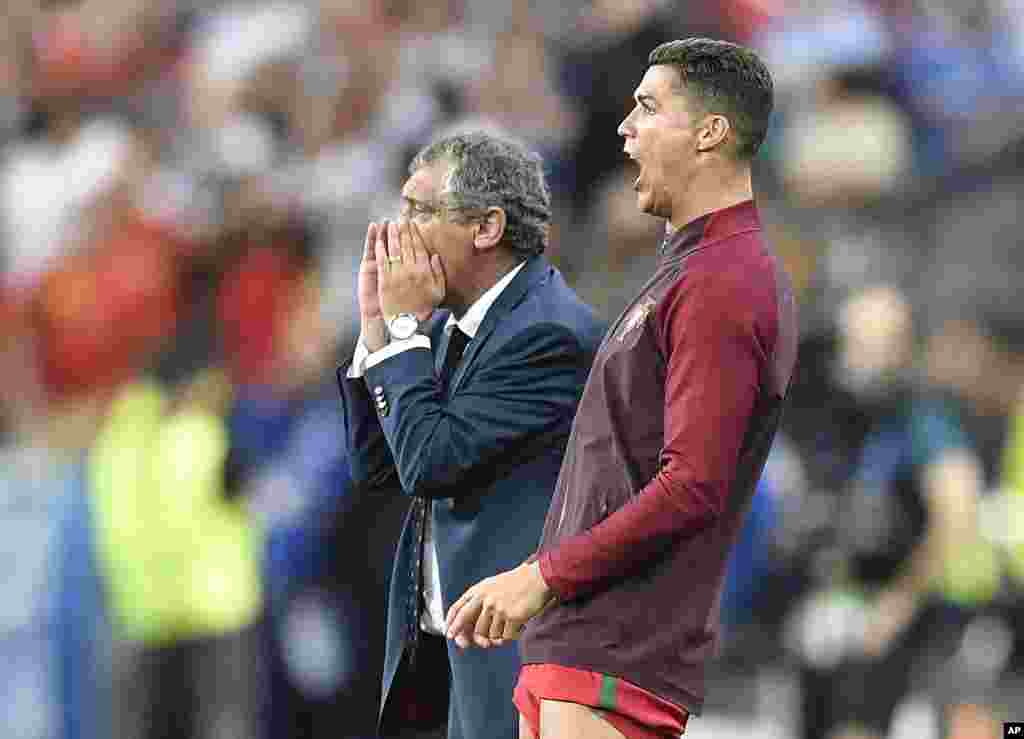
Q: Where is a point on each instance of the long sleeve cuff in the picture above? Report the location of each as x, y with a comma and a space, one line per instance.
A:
363, 359
561, 587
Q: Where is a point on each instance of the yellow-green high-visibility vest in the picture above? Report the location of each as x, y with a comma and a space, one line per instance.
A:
179, 560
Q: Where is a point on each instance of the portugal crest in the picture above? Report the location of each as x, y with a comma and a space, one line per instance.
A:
636, 318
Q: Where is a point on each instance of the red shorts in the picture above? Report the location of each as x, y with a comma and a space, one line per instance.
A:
635, 712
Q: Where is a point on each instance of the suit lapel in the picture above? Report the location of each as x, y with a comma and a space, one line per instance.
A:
536, 270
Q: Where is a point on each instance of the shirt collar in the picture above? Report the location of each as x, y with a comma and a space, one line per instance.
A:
471, 320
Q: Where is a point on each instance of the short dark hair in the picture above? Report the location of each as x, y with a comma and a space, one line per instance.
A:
724, 78
489, 171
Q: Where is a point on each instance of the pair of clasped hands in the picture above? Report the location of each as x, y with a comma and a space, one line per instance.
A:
399, 275
396, 275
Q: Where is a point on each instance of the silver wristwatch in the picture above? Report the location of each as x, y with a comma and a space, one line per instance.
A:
403, 326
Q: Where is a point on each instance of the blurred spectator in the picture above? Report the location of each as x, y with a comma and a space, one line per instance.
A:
323, 617
813, 39
1008, 519
909, 520
97, 48
619, 249
104, 309
954, 73
972, 272
980, 361
851, 146
517, 89
1013, 453
601, 62
51, 182
35, 492
179, 563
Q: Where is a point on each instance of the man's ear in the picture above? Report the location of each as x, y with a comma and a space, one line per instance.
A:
490, 229
713, 132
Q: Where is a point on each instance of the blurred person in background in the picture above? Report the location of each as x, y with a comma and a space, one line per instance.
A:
909, 540
40, 494
517, 90
78, 257
1012, 489
50, 183
948, 66
955, 71
969, 287
652, 500
844, 164
471, 358
618, 258
105, 308
976, 357
323, 628
596, 66
375, 80
851, 146
77, 64
179, 562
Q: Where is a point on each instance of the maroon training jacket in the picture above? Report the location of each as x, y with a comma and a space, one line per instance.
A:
669, 441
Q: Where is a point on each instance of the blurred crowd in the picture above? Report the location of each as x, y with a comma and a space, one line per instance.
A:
184, 190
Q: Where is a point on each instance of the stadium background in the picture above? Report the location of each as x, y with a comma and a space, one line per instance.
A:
184, 186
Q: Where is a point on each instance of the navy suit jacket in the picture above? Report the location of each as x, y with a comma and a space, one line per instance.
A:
484, 455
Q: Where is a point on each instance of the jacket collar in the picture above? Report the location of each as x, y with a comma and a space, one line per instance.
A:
534, 271
471, 320
717, 224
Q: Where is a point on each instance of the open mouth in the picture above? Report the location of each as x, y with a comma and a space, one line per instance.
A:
634, 160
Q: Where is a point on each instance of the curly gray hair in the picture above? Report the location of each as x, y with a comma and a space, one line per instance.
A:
488, 171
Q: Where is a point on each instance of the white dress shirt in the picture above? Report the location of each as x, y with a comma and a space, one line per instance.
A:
432, 617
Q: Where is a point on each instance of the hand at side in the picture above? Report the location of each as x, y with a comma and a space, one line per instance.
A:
496, 609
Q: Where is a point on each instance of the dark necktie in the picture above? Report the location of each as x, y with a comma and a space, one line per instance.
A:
456, 346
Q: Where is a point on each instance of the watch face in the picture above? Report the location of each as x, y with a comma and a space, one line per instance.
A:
403, 326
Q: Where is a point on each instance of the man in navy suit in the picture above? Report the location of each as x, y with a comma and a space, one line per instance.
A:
472, 356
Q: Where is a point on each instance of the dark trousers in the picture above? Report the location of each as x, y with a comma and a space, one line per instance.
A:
867, 692
424, 692
193, 689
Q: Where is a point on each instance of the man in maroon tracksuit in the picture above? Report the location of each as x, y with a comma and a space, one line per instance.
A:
671, 434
